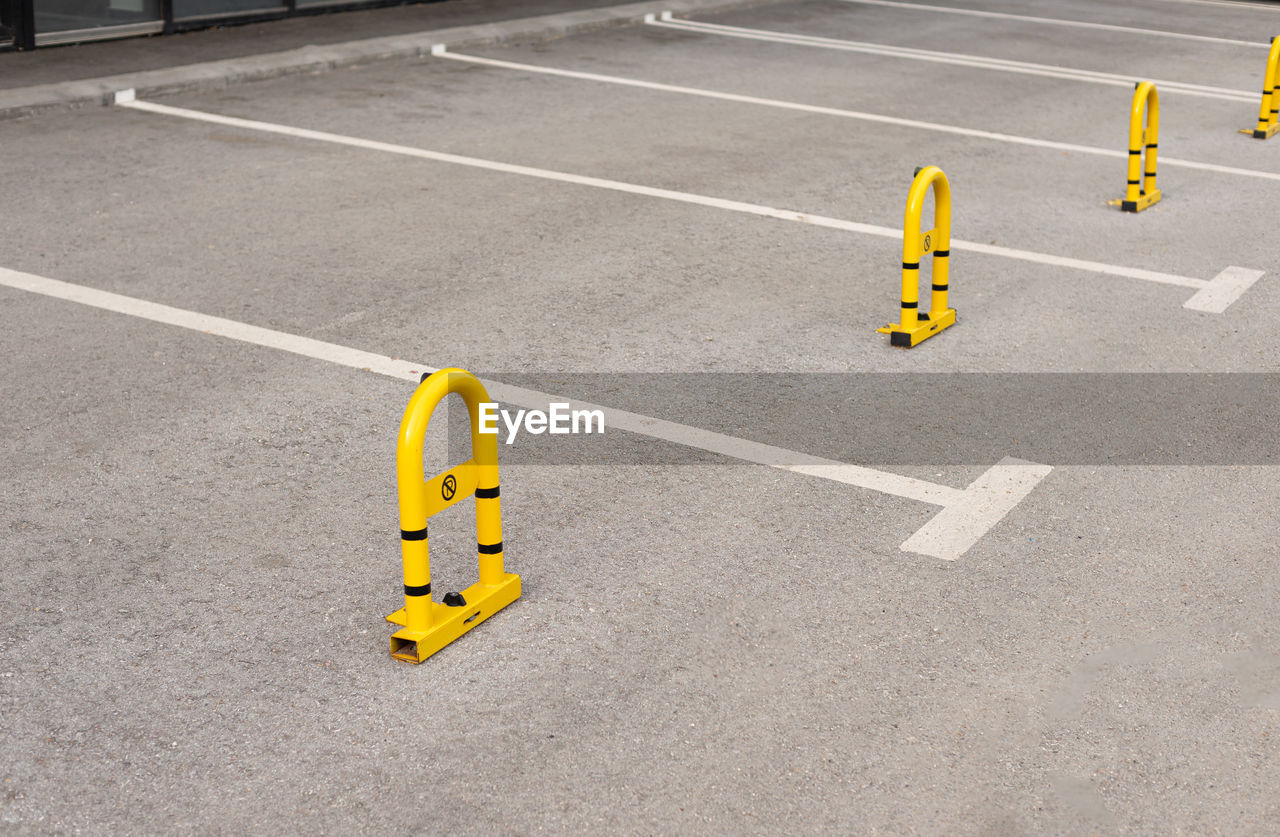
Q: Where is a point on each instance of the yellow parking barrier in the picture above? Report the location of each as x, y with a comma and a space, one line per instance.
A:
1269, 112
428, 626
1140, 191
917, 326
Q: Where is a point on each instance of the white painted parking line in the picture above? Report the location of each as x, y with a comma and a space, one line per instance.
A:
1057, 21
124, 99
955, 58
442, 52
967, 513
1225, 289
985, 503
1257, 7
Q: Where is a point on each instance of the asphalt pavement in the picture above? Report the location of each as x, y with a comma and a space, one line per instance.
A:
719, 632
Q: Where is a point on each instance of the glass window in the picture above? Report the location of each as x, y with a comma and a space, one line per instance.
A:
222, 8
71, 15
8, 23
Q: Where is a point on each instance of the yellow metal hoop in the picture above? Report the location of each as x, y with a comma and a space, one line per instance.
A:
1269, 112
427, 625
1140, 189
917, 326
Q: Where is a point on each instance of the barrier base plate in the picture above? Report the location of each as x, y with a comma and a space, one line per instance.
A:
924, 329
1266, 133
449, 623
1140, 204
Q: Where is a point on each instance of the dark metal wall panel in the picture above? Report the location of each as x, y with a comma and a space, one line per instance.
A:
18, 18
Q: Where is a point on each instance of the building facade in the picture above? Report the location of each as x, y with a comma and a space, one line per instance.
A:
26, 24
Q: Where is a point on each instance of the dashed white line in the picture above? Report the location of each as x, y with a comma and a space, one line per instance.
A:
666, 194
967, 513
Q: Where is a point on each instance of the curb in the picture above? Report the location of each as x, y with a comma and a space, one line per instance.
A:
216, 75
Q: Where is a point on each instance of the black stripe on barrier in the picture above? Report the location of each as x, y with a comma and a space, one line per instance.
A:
939, 287
910, 305
941, 254
487, 493
1133, 182
415, 535
489, 548
420, 590
1151, 145
911, 265
1135, 150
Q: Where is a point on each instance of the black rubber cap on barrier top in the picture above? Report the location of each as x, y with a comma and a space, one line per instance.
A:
454, 600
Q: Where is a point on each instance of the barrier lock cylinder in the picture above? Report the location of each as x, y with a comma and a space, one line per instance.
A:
917, 325
427, 625
1269, 114
1140, 189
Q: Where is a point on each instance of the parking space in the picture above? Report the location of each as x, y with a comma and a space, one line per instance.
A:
722, 628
